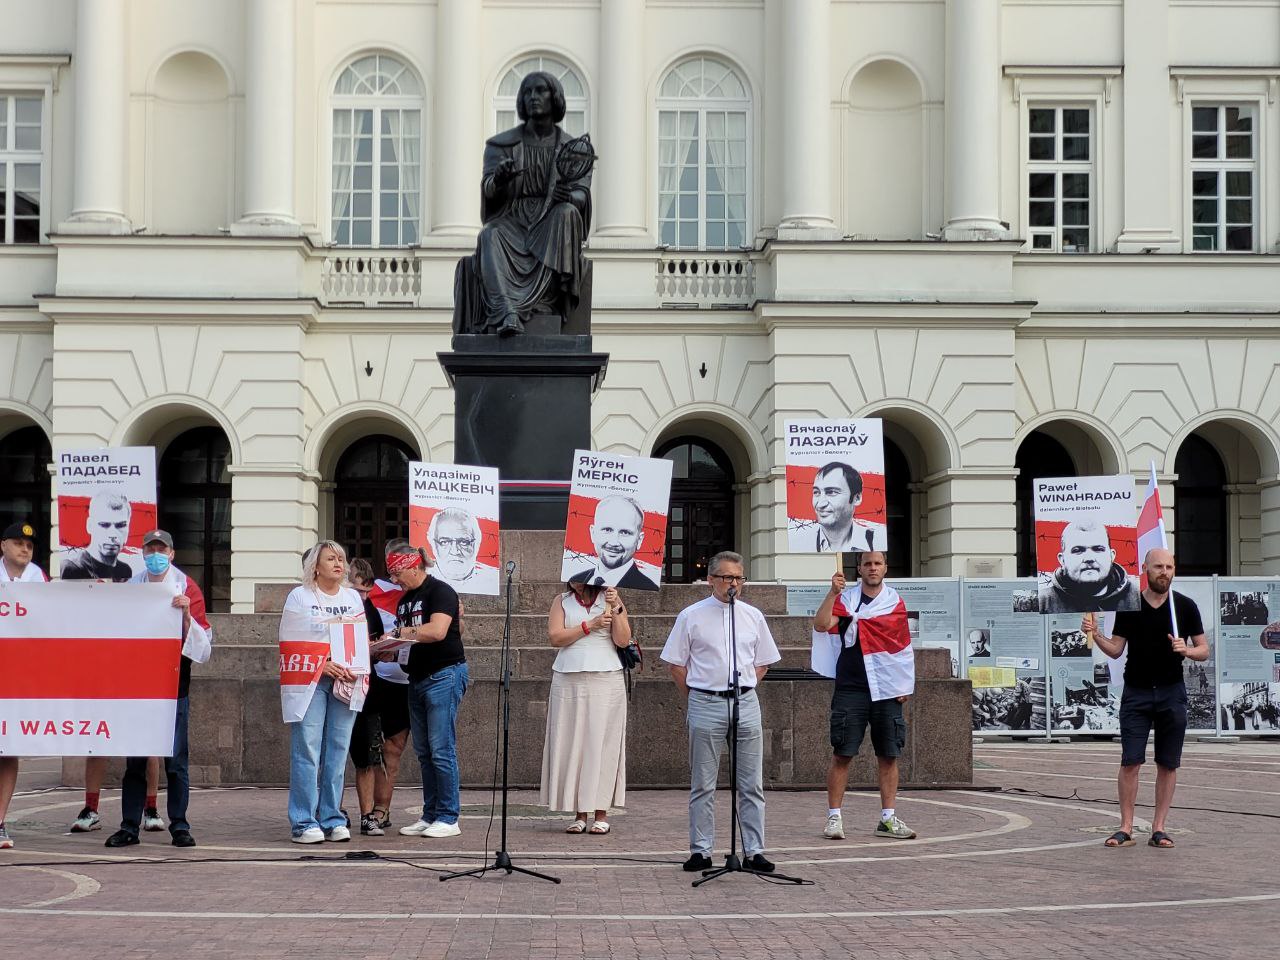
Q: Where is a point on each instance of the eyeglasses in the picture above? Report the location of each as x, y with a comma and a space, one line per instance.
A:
728, 578
454, 546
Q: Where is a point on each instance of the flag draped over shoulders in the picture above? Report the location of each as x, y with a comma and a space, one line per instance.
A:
880, 631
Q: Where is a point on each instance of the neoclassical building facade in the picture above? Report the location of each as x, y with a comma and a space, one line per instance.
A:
1037, 238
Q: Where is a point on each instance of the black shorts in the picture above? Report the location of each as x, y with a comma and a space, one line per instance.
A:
853, 710
385, 714
1165, 709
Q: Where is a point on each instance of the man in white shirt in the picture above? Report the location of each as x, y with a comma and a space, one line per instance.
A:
699, 656
17, 544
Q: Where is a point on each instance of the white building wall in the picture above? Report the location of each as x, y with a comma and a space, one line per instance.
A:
963, 348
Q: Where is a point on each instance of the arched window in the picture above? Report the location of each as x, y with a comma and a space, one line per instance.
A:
25, 456
377, 154
1039, 455
1200, 509
575, 93
700, 523
704, 115
371, 496
195, 507
898, 509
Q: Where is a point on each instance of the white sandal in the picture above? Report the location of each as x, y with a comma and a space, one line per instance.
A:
599, 828
578, 826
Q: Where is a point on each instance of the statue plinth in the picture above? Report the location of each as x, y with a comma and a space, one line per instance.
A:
523, 405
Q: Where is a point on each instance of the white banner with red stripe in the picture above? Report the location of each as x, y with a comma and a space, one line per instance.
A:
88, 669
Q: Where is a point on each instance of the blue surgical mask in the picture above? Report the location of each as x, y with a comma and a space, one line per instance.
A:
157, 563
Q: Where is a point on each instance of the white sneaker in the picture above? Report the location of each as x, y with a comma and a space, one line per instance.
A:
88, 820
439, 830
309, 835
338, 834
835, 827
151, 820
415, 829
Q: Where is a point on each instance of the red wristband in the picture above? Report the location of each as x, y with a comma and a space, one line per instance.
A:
585, 629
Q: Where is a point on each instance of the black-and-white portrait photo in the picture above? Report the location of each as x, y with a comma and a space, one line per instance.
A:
1088, 579
979, 643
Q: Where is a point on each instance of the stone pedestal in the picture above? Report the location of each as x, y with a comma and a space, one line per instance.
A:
523, 405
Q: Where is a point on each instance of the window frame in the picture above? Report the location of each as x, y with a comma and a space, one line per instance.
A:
44, 92
376, 103
746, 105
1192, 165
499, 103
1026, 166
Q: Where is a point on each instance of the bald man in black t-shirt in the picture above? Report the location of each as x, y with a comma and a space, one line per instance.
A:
1154, 692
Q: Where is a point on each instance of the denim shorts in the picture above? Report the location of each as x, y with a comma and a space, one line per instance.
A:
853, 710
1162, 708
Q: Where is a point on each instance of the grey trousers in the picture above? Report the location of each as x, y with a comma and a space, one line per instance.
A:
708, 736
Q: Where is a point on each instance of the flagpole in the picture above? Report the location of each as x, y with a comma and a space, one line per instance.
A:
1153, 490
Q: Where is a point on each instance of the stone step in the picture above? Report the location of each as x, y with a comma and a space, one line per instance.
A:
485, 629
535, 597
239, 661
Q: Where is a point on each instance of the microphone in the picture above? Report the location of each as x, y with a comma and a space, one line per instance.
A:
733, 594
511, 567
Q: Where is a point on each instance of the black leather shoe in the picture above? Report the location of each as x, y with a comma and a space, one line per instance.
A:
183, 838
511, 325
699, 861
122, 838
758, 863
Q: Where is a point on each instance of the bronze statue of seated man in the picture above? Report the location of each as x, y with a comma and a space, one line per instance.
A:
536, 209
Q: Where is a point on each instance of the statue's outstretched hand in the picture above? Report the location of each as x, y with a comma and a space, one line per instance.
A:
505, 171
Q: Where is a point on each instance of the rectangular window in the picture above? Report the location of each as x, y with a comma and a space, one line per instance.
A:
702, 178
1224, 177
376, 186
21, 157
1060, 178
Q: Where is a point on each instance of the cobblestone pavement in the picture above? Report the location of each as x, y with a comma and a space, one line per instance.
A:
995, 874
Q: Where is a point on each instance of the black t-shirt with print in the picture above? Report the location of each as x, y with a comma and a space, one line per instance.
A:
415, 609
1151, 661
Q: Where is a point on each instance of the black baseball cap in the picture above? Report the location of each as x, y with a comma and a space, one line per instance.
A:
158, 536
19, 531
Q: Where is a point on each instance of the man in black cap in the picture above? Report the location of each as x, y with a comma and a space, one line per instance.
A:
157, 554
17, 544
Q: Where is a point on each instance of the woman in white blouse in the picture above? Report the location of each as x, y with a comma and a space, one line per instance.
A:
584, 758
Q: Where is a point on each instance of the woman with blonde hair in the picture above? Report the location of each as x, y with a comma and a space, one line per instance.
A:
584, 758
320, 698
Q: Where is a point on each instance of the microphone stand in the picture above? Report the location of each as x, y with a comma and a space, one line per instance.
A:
502, 859
732, 863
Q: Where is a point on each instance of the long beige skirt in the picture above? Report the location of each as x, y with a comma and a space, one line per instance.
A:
584, 757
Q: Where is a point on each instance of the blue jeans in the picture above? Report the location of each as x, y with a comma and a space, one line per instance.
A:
318, 761
134, 784
433, 718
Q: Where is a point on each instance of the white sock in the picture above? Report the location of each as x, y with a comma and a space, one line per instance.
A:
886, 813
833, 811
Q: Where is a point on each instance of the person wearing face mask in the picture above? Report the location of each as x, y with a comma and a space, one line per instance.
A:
197, 637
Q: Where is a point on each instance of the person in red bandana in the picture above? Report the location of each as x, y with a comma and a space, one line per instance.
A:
430, 619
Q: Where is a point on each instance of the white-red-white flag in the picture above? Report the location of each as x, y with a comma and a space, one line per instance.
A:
1152, 536
88, 669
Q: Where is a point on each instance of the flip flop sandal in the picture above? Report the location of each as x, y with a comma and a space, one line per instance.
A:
578, 826
600, 828
1160, 840
1121, 839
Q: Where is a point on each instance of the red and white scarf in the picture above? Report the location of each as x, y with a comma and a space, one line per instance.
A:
304, 648
879, 628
